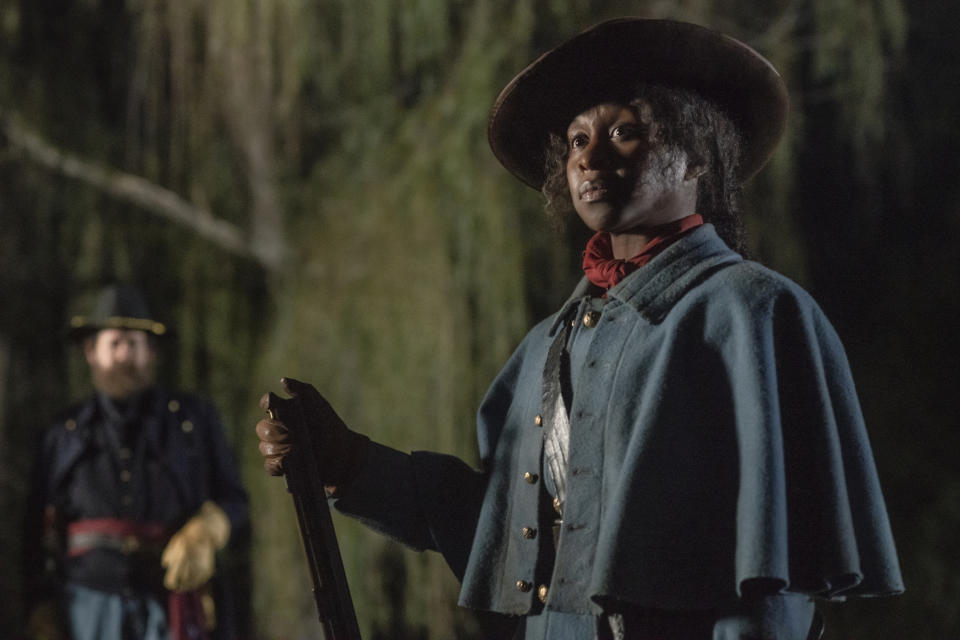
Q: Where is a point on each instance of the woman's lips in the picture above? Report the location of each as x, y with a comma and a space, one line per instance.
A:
593, 190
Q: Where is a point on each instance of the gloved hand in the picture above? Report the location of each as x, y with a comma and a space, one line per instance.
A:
45, 622
338, 451
189, 556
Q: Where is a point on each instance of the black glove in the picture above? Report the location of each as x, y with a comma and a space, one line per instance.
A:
338, 452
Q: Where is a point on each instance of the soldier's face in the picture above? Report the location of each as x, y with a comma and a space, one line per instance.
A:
122, 362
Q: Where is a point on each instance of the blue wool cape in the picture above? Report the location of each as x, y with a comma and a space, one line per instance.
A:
716, 440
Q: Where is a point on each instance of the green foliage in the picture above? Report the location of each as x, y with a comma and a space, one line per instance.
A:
852, 69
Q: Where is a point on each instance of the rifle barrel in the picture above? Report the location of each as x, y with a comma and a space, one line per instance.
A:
331, 593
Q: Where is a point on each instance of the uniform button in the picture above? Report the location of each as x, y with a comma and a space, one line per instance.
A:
557, 506
187, 426
542, 593
124, 453
173, 406
124, 476
131, 544
70, 424
573, 322
529, 533
591, 318
538, 420
126, 500
531, 477
524, 586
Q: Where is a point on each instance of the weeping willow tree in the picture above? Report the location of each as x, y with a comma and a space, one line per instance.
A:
307, 187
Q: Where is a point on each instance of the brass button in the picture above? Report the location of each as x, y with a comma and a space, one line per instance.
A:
71, 424
542, 593
173, 406
130, 544
573, 322
187, 426
557, 506
126, 500
538, 420
124, 453
524, 586
591, 318
124, 476
531, 477
529, 533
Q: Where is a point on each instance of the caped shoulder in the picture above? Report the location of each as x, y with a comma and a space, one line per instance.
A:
756, 286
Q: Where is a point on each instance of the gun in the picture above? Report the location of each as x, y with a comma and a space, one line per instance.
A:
331, 594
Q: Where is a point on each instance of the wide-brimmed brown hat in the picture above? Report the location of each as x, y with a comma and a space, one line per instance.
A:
606, 62
118, 306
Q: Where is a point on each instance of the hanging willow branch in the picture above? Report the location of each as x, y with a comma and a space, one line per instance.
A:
140, 192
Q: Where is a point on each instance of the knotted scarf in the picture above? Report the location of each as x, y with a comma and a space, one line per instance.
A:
605, 271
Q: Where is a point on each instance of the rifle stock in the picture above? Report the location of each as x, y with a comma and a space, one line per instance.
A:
331, 593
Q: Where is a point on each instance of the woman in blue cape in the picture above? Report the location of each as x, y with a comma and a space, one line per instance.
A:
678, 452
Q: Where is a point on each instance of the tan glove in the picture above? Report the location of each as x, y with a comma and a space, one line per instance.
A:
45, 622
189, 556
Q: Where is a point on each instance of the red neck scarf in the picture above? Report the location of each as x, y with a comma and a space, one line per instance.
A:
605, 271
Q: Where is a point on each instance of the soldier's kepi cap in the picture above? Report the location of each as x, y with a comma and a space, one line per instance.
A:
117, 306
608, 61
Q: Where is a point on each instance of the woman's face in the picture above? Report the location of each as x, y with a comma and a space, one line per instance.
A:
621, 178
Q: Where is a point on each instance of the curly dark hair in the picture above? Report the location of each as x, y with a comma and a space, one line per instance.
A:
686, 121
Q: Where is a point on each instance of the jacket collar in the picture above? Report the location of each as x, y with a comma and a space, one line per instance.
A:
653, 289
79, 436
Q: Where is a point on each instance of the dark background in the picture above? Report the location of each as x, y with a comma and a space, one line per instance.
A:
305, 190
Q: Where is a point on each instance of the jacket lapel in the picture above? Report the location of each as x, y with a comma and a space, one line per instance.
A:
72, 445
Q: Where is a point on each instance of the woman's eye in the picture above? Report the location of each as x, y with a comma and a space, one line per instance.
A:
623, 131
579, 140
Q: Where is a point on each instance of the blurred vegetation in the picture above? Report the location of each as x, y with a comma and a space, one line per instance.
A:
367, 241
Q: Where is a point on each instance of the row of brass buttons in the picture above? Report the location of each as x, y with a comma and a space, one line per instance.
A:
173, 406
529, 533
525, 587
590, 320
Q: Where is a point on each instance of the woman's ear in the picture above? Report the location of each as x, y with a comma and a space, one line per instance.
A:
696, 167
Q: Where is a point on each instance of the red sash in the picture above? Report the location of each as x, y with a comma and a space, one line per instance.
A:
185, 612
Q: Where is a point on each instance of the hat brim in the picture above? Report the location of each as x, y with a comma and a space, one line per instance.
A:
604, 63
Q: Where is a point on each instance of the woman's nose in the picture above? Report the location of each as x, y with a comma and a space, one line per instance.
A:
595, 156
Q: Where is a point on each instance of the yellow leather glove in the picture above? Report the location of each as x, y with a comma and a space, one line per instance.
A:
189, 556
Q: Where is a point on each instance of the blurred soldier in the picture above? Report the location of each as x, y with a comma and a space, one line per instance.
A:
134, 491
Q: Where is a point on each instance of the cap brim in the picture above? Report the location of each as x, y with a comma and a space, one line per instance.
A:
81, 327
